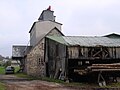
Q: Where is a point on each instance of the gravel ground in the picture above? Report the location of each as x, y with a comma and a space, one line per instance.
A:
35, 85
14, 83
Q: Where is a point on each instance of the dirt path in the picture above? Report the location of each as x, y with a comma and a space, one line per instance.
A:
35, 85
14, 83
10, 77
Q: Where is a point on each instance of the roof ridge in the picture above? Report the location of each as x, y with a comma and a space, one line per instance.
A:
84, 36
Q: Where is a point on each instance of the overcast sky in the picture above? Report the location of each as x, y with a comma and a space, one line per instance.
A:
79, 17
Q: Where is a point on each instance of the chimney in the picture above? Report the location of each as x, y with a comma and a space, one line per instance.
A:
47, 15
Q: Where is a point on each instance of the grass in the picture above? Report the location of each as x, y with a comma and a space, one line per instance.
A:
23, 75
2, 69
71, 84
51, 80
17, 68
2, 86
114, 84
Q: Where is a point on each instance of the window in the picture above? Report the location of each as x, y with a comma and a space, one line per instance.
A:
80, 52
87, 62
39, 61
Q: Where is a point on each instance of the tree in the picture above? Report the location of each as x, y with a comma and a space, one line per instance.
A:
7, 63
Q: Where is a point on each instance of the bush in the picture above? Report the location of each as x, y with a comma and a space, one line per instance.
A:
7, 63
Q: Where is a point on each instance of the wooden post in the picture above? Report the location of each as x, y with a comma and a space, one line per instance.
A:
66, 64
101, 82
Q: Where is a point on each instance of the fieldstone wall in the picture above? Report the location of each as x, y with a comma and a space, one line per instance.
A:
35, 60
35, 63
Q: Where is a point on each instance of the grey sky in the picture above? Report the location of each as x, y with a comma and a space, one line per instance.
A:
79, 17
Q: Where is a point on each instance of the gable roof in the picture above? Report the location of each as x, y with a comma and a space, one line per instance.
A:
41, 21
47, 32
113, 35
86, 41
20, 50
45, 35
58, 39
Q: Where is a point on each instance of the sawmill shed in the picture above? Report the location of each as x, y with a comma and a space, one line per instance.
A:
50, 53
68, 56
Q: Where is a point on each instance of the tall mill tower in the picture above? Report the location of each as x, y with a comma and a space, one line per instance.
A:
46, 22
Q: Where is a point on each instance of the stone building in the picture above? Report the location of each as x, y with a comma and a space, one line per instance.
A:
54, 55
46, 25
32, 57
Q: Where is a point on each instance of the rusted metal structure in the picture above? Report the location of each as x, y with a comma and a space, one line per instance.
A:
82, 55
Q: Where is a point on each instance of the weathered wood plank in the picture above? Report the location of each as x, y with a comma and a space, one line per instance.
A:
93, 70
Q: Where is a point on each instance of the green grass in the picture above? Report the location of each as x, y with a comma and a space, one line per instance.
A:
51, 80
71, 84
2, 86
2, 70
23, 75
17, 68
114, 84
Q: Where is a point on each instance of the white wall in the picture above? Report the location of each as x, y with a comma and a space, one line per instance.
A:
33, 36
41, 29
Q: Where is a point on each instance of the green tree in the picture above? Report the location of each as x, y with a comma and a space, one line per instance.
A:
7, 63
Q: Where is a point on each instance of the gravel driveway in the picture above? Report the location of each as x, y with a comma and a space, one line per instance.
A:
14, 83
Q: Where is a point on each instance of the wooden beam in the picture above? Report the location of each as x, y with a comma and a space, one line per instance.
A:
96, 53
105, 70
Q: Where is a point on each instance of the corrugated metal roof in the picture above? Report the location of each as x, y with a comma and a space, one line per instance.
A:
92, 41
18, 51
59, 39
87, 41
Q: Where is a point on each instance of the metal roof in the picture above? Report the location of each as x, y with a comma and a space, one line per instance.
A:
19, 51
87, 41
59, 39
